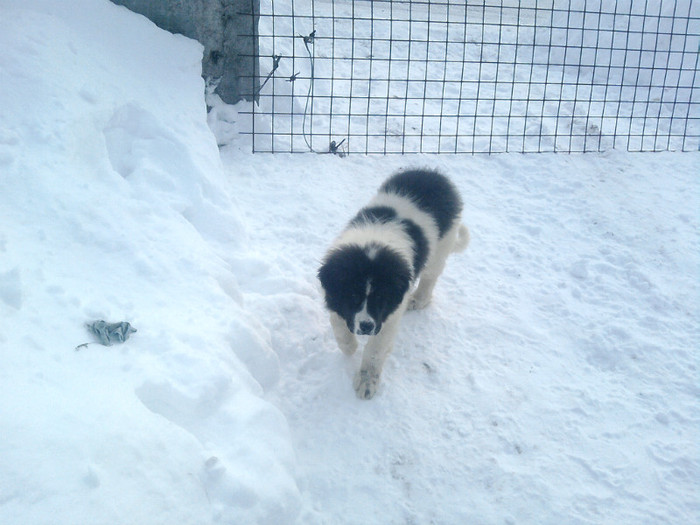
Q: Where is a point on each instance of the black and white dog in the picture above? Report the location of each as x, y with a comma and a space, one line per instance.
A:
405, 233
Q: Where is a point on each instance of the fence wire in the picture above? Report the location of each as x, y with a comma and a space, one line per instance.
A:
399, 76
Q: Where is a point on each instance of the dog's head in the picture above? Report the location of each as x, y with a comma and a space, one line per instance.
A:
364, 285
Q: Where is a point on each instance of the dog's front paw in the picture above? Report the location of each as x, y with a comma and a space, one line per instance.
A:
365, 384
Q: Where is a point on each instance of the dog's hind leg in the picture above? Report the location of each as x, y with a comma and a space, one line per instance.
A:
376, 351
455, 240
346, 340
424, 292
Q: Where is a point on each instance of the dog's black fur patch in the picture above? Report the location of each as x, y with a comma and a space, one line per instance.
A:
420, 244
431, 192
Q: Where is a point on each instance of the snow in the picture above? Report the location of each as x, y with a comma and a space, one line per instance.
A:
552, 380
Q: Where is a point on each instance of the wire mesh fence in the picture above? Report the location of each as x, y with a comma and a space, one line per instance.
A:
399, 76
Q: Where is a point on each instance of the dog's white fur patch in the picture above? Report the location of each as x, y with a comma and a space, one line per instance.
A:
385, 234
406, 209
363, 315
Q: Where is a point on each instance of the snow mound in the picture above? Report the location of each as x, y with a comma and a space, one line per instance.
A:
114, 205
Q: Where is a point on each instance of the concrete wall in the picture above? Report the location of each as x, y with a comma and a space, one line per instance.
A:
226, 28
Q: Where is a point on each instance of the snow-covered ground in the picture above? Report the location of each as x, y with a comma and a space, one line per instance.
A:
553, 379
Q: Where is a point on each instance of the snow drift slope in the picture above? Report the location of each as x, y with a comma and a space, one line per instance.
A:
113, 206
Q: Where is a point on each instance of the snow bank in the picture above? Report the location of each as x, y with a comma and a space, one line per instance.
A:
113, 205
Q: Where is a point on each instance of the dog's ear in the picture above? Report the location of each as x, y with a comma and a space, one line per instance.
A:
405, 278
330, 276
341, 265
401, 277
333, 269
392, 272
328, 272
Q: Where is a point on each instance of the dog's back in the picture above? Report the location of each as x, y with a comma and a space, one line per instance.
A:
430, 191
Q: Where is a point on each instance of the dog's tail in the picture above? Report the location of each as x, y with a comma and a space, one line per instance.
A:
462, 240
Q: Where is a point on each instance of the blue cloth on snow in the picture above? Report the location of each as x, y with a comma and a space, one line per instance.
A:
110, 333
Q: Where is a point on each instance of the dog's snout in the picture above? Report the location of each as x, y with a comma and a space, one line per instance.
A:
366, 327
